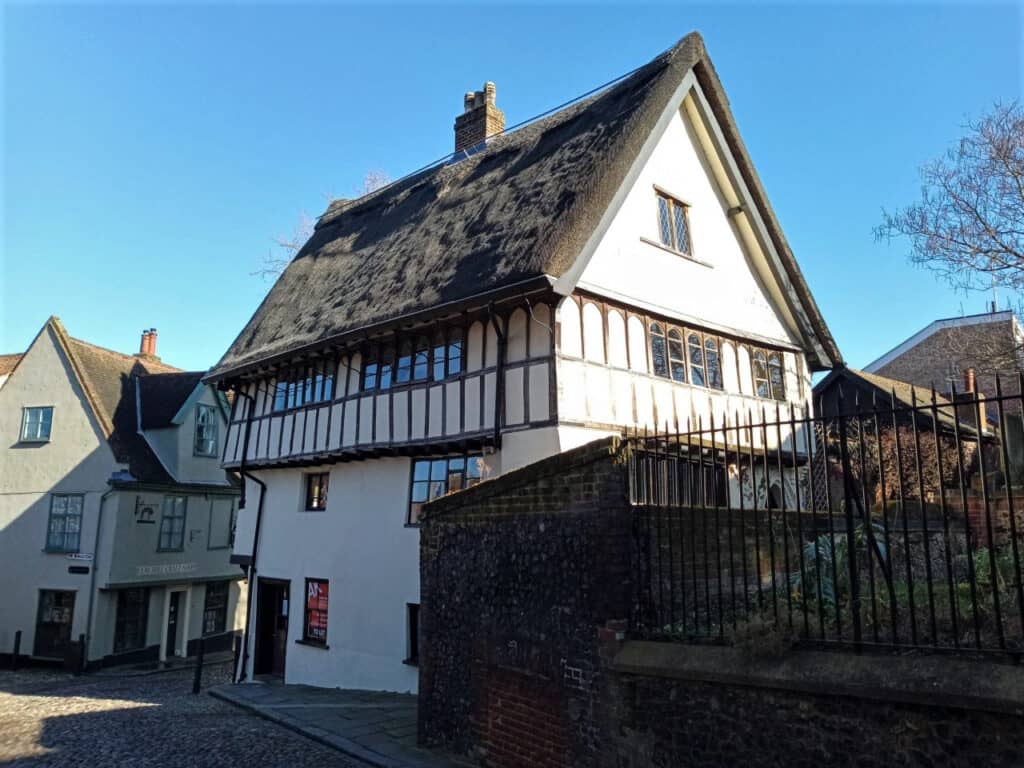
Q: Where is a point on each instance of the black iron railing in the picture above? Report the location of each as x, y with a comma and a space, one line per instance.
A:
894, 524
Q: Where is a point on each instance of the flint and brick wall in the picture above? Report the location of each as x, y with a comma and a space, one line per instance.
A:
526, 582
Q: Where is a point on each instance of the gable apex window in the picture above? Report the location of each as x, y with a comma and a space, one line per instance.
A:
36, 423
316, 491
673, 223
206, 430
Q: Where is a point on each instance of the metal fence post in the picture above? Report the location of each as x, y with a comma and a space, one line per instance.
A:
17, 650
851, 532
197, 678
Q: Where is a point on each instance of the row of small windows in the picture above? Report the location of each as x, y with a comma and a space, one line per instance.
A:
309, 384
416, 359
684, 355
671, 357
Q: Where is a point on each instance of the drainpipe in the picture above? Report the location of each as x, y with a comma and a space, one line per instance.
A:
92, 577
499, 381
240, 675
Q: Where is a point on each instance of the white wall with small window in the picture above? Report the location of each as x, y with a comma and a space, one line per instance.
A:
673, 249
191, 451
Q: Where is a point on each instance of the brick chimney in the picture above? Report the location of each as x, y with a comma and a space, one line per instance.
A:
969, 383
479, 120
147, 344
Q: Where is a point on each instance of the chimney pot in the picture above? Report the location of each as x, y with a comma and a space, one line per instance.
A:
144, 343
152, 341
969, 380
480, 120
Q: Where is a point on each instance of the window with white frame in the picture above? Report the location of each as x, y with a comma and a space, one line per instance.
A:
206, 430
64, 529
172, 523
36, 423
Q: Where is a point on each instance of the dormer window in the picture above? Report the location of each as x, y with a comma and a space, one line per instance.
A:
673, 223
206, 430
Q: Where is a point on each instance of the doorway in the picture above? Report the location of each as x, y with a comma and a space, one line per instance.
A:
53, 623
172, 624
271, 627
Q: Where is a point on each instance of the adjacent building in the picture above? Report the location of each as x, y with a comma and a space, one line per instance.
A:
964, 353
614, 265
116, 519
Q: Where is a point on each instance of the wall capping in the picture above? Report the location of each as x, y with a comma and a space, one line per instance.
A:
935, 680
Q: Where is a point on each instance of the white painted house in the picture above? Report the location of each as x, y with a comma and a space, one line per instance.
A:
612, 265
116, 519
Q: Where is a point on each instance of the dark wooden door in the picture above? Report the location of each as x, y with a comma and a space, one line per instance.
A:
53, 623
271, 628
172, 623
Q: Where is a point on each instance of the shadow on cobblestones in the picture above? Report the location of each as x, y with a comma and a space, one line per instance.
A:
50, 718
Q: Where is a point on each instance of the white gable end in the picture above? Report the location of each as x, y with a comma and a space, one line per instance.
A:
719, 287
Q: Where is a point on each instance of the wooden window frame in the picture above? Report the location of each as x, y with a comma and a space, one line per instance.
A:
164, 518
23, 436
303, 386
313, 502
219, 613
466, 480
307, 638
661, 335
202, 408
64, 516
672, 204
141, 621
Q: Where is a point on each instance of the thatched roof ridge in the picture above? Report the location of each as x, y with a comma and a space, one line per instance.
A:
515, 214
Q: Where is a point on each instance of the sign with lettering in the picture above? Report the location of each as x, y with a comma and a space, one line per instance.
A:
86, 556
166, 569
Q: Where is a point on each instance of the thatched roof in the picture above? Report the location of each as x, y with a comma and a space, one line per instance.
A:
516, 213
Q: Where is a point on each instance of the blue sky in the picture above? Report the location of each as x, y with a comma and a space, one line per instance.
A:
151, 153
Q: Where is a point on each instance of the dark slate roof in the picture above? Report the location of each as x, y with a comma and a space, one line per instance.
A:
519, 210
163, 395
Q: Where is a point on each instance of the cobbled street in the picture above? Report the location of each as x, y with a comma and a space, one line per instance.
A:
55, 719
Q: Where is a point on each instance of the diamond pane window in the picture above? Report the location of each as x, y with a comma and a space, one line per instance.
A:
673, 224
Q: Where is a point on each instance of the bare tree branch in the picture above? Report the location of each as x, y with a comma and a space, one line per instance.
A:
968, 226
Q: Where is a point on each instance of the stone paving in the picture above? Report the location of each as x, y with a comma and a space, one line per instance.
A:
379, 728
50, 718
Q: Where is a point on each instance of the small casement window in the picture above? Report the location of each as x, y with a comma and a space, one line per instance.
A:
206, 430
769, 374
36, 423
676, 359
413, 629
172, 523
314, 627
64, 529
447, 353
316, 491
659, 351
776, 376
713, 363
759, 363
433, 478
379, 368
696, 351
403, 368
673, 223
215, 607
